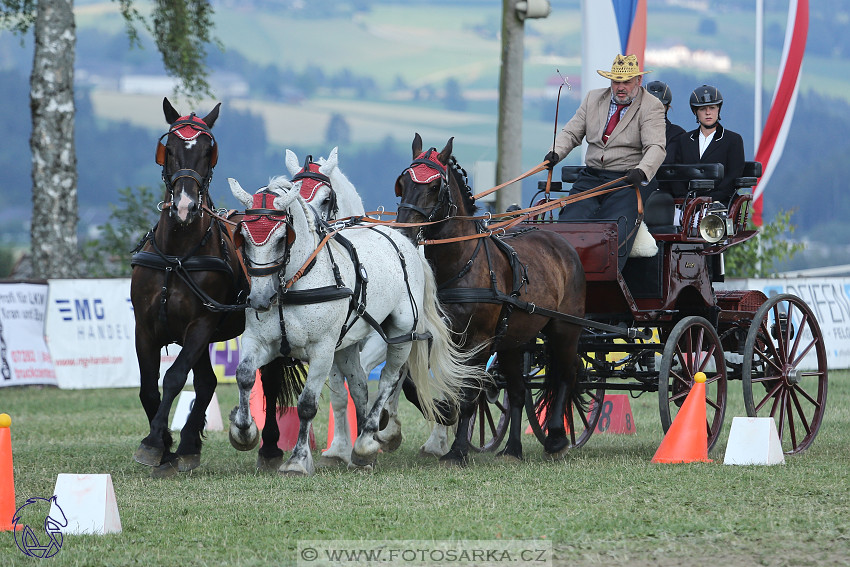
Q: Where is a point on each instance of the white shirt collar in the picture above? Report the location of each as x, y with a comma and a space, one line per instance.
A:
704, 141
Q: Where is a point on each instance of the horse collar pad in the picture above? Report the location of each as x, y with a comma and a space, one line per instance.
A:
186, 131
311, 179
427, 167
260, 227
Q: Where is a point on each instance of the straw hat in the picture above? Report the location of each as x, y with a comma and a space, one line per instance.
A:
623, 68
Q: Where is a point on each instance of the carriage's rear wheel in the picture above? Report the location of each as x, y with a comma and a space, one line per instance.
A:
489, 423
580, 418
693, 346
783, 333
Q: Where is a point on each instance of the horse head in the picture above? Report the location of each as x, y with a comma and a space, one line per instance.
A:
432, 188
314, 184
187, 156
266, 231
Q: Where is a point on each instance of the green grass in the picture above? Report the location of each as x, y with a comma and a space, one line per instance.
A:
605, 503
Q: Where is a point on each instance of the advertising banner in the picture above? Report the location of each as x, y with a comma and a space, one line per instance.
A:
24, 357
91, 334
829, 300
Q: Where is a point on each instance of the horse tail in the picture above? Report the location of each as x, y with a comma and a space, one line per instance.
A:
449, 372
285, 377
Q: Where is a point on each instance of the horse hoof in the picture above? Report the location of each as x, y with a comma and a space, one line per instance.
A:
425, 452
362, 460
361, 468
556, 447
294, 469
454, 460
244, 439
165, 470
268, 465
391, 444
326, 462
185, 463
148, 456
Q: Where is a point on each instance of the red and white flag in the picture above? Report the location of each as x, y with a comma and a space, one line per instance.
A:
784, 100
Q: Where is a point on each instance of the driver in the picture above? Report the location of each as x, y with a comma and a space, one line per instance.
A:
625, 132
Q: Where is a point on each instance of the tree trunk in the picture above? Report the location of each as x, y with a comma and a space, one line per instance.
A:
54, 160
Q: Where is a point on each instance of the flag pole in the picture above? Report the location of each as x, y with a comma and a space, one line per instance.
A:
757, 107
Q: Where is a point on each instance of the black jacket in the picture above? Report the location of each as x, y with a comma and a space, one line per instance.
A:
727, 147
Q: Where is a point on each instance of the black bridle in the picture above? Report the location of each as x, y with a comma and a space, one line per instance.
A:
203, 182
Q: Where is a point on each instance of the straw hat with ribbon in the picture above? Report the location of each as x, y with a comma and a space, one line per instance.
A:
623, 68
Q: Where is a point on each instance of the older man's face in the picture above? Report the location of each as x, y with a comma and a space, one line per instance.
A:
626, 91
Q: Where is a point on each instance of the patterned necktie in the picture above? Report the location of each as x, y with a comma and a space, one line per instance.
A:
612, 122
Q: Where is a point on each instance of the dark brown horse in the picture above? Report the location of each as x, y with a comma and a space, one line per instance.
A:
188, 287
490, 288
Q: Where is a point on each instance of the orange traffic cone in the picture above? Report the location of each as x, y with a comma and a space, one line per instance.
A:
350, 414
7, 480
687, 439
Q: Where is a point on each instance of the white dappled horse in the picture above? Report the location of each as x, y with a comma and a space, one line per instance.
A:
312, 317
326, 188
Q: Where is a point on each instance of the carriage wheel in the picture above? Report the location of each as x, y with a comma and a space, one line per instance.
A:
784, 331
693, 346
581, 418
489, 423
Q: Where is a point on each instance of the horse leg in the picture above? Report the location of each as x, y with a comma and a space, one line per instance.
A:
562, 347
189, 449
437, 443
367, 445
390, 435
339, 451
154, 446
300, 462
148, 354
510, 365
243, 432
270, 456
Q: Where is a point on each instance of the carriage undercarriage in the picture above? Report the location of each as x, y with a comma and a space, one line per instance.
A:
675, 325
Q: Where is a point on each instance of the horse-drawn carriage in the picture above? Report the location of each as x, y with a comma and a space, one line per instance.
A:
657, 323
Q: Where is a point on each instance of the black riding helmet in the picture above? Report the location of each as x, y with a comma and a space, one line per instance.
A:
705, 95
661, 91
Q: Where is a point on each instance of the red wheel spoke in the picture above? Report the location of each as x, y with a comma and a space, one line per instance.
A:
712, 403
800, 412
804, 321
796, 360
491, 423
772, 394
790, 412
803, 393
779, 403
768, 359
778, 338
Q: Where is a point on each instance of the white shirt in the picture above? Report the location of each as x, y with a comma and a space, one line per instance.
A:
704, 141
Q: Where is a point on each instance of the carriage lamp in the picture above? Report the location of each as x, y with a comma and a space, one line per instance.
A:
715, 225
533, 9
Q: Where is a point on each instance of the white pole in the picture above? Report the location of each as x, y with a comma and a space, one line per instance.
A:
757, 110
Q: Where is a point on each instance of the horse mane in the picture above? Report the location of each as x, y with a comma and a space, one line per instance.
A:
462, 182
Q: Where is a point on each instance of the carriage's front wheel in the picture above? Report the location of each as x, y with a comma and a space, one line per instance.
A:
693, 346
489, 423
580, 417
784, 338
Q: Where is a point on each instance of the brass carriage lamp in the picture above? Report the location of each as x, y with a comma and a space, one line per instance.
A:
533, 9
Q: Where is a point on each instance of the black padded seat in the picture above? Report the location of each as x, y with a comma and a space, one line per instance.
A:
658, 212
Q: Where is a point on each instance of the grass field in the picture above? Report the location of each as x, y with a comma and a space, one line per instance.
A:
606, 503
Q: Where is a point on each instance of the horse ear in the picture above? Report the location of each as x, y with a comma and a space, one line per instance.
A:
171, 115
210, 118
292, 162
241, 195
330, 163
447, 152
417, 145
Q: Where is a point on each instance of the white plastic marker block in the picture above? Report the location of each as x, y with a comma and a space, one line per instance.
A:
753, 441
184, 406
88, 503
